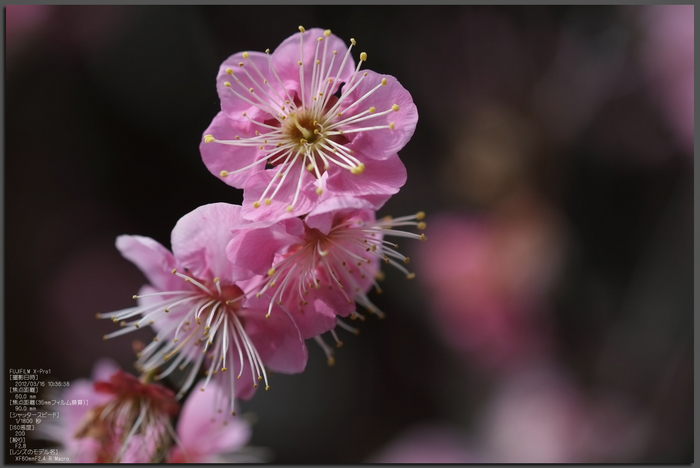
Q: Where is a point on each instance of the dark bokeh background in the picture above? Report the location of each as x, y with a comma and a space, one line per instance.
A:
554, 149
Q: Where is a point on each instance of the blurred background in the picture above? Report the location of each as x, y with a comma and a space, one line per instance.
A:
551, 319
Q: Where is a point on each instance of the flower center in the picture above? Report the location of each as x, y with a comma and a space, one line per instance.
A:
303, 129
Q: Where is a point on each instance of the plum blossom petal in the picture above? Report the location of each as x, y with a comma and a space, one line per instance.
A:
199, 242
255, 249
322, 216
331, 50
231, 158
277, 339
265, 201
154, 260
383, 179
397, 127
205, 431
236, 100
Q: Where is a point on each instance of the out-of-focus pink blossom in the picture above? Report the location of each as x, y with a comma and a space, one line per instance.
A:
197, 301
426, 444
541, 416
668, 54
63, 429
121, 419
284, 111
321, 266
78, 29
207, 433
488, 278
22, 19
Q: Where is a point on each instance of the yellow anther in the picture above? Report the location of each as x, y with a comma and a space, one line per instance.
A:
395, 107
319, 190
319, 40
358, 169
105, 337
327, 32
391, 125
290, 208
331, 361
209, 138
372, 110
174, 270
384, 82
353, 41
224, 369
363, 56
267, 51
420, 215
246, 55
267, 388
224, 174
302, 29
256, 204
252, 90
240, 64
310, 167
422, 225
227, 84
330, 80
422, 237
410, 276
299, 62
407, 260
271, 271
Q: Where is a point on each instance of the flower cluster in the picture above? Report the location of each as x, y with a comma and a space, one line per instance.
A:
128, 420
312, 140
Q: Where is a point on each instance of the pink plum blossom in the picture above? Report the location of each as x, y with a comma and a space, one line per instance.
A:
123, 420
668, 57
540, 415
206, 434
322, 266
426, 443
302, 124
488, 279
64, 428
197, 303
